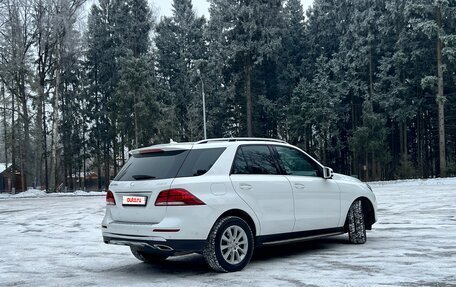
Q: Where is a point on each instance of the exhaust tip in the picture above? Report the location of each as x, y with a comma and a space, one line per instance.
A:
163, 247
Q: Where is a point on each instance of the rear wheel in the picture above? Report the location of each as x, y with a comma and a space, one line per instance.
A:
147, 257
356, 225
230, 245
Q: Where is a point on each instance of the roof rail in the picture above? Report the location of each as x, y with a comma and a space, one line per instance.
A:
238, 139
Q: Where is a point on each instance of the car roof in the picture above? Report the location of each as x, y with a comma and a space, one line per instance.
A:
207, 143
240, 140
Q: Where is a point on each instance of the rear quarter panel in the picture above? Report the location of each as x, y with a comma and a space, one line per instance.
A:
217, 193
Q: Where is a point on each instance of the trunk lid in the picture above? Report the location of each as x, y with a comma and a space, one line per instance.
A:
149, 213
145, 174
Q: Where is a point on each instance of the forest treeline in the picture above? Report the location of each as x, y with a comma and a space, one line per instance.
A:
368, 87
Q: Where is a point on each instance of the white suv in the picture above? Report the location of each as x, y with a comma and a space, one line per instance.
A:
224, 197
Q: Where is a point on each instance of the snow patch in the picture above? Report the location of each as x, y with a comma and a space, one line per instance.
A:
88, 193
416, 182
3, 167
36, 193
30, 193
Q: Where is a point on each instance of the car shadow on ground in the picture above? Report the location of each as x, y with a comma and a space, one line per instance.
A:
297, 249
194, 264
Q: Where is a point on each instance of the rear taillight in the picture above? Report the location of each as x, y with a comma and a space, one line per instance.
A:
110, 200
177, 197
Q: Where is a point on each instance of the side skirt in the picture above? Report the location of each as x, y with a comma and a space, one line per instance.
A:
284, 238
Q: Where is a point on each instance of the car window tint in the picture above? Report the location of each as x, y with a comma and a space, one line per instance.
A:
296, 162
240, 165
254, 159
199, 161
150, 166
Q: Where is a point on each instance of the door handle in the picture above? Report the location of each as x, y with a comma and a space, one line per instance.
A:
245, 186
299, 186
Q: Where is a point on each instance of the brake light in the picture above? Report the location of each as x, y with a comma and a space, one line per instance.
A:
177, 197
110, 200
150, 150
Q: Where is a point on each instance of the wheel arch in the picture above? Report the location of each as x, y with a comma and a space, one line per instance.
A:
243, 215
368, 212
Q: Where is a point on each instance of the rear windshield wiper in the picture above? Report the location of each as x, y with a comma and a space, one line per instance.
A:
142, 176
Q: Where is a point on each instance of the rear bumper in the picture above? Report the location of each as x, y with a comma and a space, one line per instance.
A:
156, 244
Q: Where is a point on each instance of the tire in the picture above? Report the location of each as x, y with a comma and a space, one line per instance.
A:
229, 245
356, 225
147, 257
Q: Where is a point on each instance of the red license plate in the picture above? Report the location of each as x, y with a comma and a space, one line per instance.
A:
134, 200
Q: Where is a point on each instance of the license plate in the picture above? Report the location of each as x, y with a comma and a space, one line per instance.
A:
134, 200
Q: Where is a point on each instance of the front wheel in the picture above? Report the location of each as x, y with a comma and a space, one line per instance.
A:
230, 245
356, 225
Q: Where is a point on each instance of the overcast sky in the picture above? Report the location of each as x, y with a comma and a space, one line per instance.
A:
201, 6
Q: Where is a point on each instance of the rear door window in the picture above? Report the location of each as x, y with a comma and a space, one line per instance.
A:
254, 159
199, 161
149, 166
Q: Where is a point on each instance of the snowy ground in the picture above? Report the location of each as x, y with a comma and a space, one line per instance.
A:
56, 241
35, 193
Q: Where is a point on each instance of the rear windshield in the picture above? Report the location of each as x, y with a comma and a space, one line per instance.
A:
157, 165
169, 164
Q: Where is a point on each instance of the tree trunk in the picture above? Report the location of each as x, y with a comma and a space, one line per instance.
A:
25, 150
13, 146
22, 168
84, 183
39, 138
123, 148
371, 75
440, 101
66, 150
403, 140
325, 147
115, 148
106, 166
248, 93
5, 133
99, 165
135, 111
54, 168
45, 147
420, 143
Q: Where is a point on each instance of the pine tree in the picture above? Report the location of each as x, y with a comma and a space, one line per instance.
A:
292, 62
138, 99
328, 23
318, 105
101, 73
250, 34
180, 53
120, 73
436, 20
357, 61
72, 108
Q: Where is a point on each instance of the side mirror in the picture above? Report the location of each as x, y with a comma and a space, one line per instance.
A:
327, 172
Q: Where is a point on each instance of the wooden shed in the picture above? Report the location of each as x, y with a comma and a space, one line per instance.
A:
6, 178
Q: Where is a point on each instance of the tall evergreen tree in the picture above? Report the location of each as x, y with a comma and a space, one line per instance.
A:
120, 71
250, 35
101, 74
436, 20
292, 61
132, 25
17, 39
317, 104
181, 51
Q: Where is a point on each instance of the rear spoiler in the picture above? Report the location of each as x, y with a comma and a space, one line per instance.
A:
161, 148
